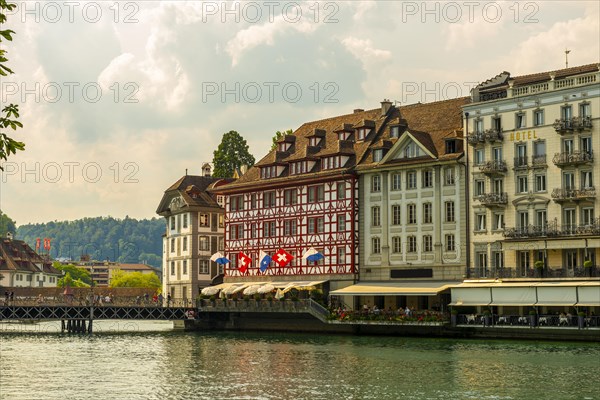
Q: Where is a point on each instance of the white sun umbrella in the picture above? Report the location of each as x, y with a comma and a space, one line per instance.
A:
289, 287
210, 291
279, 294
252, 289
233, 288
268, 288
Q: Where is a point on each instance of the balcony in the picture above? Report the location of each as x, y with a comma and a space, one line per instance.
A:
548, 272
538, 161
553, 230
475, 138
521, 162
562, 195
489, 136
493, 199
573, 159
493, 135
495, 167
574, 124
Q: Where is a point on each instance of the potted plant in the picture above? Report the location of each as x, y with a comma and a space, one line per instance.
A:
587, 267
539, 267
453, 316
581, 319
533, 318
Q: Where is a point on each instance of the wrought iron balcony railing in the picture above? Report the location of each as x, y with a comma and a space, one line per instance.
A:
570, 125
492, 135
559, 194
493, 167
553, 229
538, 161
521, 162
493, 199
573, 158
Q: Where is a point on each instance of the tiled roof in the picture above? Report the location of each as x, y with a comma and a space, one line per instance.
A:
16, 255
193, 190
329, 145
559, 73
501, 80
430, 123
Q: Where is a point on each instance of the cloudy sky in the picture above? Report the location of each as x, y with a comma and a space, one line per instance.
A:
119, 98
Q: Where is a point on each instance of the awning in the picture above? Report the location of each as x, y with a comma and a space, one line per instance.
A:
556, 295
471, 296
428, 288
589, 296
513, 296
236, 287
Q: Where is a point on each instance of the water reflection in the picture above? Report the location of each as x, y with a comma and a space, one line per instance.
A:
153, 362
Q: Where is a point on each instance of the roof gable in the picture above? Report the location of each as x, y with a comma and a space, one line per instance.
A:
411, 145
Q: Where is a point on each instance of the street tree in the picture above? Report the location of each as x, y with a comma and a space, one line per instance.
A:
232, 153
10, 113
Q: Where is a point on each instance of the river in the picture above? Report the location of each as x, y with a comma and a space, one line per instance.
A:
148, 360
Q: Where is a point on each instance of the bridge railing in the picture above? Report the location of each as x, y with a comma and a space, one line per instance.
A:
97, 302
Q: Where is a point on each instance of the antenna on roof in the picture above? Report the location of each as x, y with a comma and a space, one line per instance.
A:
396, 102
186, 171
567, 51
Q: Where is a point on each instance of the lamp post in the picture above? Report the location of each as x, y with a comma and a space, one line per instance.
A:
467, 205
92, 302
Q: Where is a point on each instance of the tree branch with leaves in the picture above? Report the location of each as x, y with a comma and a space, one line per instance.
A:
10, 113
232, 153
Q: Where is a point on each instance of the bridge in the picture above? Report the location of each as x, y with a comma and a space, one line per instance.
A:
79, 318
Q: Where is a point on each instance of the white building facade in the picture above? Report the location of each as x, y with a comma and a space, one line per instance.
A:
533, 141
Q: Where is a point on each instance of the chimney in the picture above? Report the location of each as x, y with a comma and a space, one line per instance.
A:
358, 110
244, 169
386, 104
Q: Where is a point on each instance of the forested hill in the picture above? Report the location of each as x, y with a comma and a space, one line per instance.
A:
103, 238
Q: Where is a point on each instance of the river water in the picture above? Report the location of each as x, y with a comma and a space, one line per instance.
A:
148, 360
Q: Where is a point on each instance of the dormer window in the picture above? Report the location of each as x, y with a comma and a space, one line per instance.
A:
300, 167
283, 146
362, 133
344, 135
333, 162
377, 155
395, 131
450, 146
269, 172
314, 141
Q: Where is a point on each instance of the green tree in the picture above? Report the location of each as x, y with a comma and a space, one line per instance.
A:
232, 153
76, 273
67, 280
9, 113
134, 279
279, 135
6, 225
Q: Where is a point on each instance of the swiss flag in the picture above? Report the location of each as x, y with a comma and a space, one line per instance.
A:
243, 262
282, 257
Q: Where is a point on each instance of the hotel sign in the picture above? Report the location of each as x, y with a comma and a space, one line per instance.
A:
524, 135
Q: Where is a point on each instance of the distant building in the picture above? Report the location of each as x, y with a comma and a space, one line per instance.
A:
102, 271
194, 231
21, 266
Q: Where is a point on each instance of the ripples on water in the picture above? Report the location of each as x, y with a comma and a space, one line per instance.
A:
149, 361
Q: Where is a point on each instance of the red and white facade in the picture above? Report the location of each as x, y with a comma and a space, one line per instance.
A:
315, 213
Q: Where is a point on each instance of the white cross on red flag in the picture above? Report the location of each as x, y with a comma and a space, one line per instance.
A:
243, 262
282, 257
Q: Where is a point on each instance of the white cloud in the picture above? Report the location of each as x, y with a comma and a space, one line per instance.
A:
258, 35
364, 51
